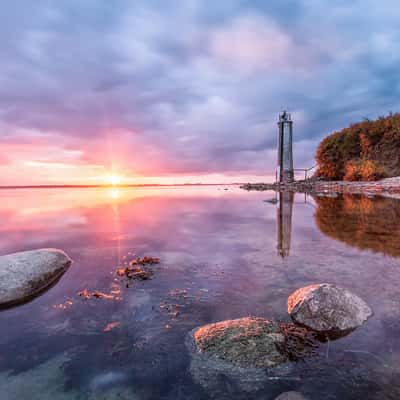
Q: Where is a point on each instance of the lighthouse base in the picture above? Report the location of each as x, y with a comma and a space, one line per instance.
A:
286, 177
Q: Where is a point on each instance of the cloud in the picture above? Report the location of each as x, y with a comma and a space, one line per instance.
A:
251, 43
255, 44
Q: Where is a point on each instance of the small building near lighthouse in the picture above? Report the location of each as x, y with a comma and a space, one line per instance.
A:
284, 170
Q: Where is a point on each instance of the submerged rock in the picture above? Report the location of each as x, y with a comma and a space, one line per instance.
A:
25, 275
146, 260
246, 342
106, 380
290, 396
237, 355
327, 308
114, 393
46, 381
300, 342
135, 270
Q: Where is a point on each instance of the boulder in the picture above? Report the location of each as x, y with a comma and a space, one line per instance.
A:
327, 308
45, 381
242, 354
25, 275
245, 342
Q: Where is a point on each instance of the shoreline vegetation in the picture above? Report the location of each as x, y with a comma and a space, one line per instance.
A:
365, 151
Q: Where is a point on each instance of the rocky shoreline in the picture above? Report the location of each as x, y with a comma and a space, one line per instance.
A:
389, 187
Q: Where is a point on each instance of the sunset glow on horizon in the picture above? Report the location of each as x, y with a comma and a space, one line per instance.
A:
42, 163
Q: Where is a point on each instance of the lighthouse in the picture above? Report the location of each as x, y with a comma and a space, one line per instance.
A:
284, 170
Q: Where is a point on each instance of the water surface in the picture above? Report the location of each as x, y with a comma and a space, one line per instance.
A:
225, 253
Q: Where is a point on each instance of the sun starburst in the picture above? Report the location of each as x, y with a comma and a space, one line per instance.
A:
114, 180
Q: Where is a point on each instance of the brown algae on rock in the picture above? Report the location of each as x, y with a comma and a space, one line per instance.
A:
248, 341
135, 268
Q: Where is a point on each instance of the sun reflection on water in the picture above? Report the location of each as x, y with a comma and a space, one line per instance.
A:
115, 194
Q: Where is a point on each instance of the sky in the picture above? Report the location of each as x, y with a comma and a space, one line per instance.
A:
172, 91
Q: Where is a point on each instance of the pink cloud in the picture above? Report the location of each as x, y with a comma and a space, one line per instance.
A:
252, 44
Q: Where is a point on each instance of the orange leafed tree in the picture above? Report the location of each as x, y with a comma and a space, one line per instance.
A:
368, 150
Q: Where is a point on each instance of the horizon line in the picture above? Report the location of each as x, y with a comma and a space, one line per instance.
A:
92, 186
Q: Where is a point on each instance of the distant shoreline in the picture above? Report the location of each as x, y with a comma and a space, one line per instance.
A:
114, 186
389, 187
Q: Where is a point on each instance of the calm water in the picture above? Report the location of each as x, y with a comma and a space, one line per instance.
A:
224, 254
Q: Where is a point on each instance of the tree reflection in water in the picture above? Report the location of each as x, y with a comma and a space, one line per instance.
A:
362, 222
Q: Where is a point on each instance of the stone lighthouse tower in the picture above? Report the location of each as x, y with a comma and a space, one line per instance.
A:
284, 170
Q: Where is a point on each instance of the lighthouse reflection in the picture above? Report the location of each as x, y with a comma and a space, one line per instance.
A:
284, 223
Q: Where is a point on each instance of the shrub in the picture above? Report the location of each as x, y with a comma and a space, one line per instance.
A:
335, 151
352, 171
368, 150
371, 171
363, 170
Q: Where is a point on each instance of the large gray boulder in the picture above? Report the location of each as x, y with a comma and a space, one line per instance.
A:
327, 308
25, 275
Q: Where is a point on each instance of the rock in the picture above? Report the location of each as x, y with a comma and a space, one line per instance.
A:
146, 260
271, 201
221, 379
25, 275
290, 396
327, 308
46, 381
238, 355
114, 393
245, 342
107, 379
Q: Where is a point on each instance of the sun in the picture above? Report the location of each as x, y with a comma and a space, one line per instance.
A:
114, 180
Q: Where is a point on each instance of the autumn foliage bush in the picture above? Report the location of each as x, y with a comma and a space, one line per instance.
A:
371, 170
352, 171
368, 150
363, 170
